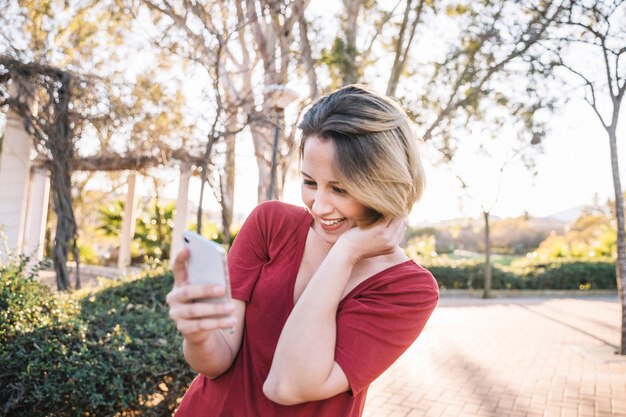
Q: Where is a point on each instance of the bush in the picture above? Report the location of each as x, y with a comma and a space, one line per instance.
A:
567, 274
465, 274
562, 274
112, 352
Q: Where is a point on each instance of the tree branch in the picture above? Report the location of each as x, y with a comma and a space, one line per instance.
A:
591, 102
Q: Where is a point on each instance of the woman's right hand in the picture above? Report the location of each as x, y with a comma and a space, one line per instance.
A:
381, 238
196, 320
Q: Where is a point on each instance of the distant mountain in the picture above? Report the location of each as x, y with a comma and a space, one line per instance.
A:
466, 221
556, 220
569, 215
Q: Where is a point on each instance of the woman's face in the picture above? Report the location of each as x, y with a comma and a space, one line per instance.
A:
333, 210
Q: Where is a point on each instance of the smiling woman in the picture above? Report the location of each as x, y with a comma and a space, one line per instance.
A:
324, 299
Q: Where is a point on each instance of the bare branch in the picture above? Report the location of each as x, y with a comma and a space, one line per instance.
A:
402, 51
386, 18
533, 33
589, 84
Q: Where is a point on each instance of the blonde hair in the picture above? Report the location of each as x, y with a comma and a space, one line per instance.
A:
376, 148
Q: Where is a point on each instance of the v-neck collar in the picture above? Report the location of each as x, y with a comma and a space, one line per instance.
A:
301, 237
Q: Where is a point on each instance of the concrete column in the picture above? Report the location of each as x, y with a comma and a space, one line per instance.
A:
180, 215
15, 166
128, 223
37, 213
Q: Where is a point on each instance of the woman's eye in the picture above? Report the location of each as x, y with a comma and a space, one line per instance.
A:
339, 190
309, 183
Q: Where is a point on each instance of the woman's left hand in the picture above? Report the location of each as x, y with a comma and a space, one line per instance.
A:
382, 238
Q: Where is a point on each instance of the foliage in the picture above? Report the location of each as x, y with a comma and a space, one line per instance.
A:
153, 228
421, 247
467, 273
102, 353
564, 274
592, 235
489, 76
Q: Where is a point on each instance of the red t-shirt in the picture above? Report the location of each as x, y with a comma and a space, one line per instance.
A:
376, 322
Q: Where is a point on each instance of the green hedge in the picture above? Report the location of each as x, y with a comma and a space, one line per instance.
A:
113, 352
565, 274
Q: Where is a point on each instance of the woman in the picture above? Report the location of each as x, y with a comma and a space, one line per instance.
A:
324, 299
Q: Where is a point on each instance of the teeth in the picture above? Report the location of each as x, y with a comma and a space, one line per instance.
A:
332, 222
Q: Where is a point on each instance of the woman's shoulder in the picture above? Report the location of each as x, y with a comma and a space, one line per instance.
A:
276, 216
411, 273
275, 206
406, 280
275, 209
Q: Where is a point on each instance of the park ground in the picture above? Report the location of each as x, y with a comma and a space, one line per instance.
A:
517, 357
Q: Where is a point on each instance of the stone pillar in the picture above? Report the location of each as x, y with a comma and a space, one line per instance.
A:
180, 215
37, 213
15, 166
128, 223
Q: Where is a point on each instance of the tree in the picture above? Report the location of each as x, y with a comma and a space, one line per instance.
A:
216, 38
479, 190
496, 45
599, 27
365, 25
51, 128
50, 76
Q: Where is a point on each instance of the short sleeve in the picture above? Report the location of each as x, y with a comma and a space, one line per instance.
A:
377, 326
248, 254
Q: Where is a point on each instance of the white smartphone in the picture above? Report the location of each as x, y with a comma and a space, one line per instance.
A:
206, 264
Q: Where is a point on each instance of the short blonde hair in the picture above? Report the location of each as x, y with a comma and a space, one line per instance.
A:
377, 155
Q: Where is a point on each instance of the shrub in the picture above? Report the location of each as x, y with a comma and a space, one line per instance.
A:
111, 352
466, 274
562, 274
567, 274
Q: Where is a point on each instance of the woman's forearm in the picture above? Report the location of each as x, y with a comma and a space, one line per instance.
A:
304, 360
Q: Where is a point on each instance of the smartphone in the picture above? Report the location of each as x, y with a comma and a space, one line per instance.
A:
206, 264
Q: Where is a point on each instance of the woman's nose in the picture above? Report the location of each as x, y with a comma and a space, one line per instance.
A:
321, 204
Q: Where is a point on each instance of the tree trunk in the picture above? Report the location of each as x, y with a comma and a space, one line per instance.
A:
487, 286
203, 179
60, 145
66, 224
227, 186
307, 55
621, 235
351, 72
263, 135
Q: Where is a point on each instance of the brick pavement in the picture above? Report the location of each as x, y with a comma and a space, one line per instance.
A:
520, 357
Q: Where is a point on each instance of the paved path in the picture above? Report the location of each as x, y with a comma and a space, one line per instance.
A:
521, 357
